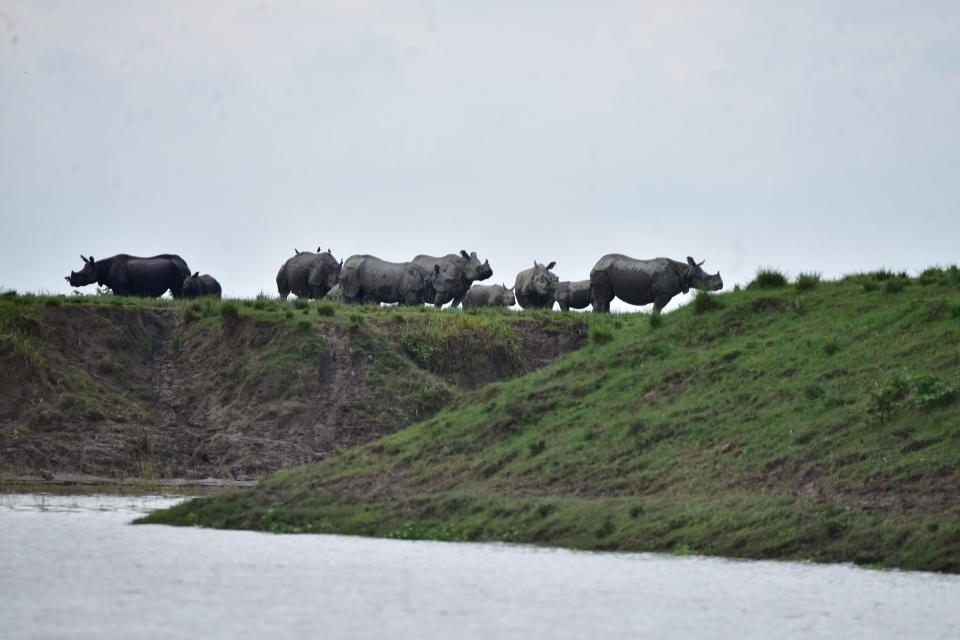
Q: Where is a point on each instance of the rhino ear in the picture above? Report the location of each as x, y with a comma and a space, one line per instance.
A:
464, 254
691, 262
551, 265
296, 251
196, 273
473, 254
90, 260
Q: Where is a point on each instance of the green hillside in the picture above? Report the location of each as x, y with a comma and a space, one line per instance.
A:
809, 420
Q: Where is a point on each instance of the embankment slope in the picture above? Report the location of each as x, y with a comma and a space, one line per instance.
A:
817, 421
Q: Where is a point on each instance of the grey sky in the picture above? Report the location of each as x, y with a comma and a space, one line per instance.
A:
803, 136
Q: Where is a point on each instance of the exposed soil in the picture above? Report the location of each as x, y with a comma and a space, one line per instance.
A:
134, 392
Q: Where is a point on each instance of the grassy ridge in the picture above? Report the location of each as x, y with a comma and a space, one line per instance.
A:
816, 420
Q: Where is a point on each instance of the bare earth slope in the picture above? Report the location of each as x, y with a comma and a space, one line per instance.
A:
176, 390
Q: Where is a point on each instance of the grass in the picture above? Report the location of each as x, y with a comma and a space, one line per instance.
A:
797, 423
783, 422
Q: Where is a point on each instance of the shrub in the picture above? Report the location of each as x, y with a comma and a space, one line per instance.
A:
326, 309
933, 275
536, 448
705, 302
895, 285
953, 275
600, 334
300, 303
229, 310
807, 281
606, 528
890, 396
831, 347
931, 391
191, 313
768, 279
356, 320
304, 325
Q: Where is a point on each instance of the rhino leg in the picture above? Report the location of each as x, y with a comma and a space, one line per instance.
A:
661, 301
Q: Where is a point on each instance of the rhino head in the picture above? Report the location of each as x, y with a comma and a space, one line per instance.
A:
87, 275
544, 282
473, 269
697, 278
445, 280
505, 296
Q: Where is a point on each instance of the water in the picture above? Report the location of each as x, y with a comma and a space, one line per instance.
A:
73, 567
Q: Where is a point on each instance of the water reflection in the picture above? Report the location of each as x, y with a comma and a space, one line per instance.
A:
71, 566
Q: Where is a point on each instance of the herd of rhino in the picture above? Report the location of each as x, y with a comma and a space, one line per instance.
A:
425, 279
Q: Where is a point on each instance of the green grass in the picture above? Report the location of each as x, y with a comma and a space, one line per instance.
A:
744, 430
810, 423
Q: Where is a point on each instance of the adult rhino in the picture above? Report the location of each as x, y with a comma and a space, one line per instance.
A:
463, 270
536, 287
644, 281
495, 295
132, 276
573, 294
366, 278
201, 285
308, 275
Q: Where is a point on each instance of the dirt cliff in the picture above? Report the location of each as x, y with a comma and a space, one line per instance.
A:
236, 391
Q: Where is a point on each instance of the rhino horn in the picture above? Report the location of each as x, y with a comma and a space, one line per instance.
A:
196, 273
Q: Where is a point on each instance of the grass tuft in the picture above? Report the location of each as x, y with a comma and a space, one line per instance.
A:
768, 279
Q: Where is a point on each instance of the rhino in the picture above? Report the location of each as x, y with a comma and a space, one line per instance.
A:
641, 282
495, 295
536, 287
366, 278
573, 294
462, 269
201, 285
308, 275
133, 276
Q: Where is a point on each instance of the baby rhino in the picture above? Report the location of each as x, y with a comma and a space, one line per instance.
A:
201, 285
496, 295
573, 294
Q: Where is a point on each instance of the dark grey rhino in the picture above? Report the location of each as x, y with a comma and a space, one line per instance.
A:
462, 270
369, 279
494, 295
201, 285
573, 294
132, 276
308, 275
644, 281
535, 287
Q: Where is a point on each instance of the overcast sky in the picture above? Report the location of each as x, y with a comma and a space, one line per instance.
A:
804, 136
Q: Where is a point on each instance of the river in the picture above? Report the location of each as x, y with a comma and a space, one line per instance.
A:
73, 567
